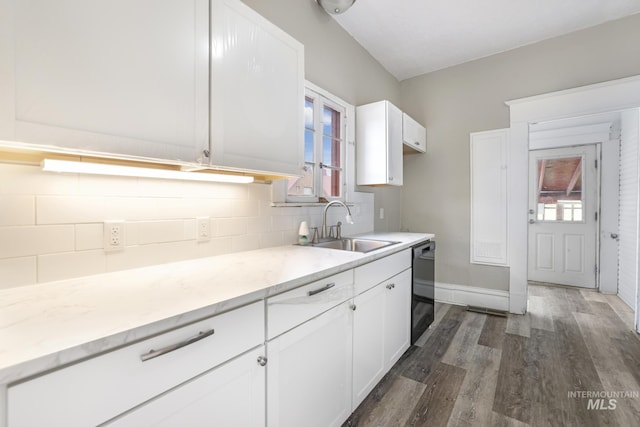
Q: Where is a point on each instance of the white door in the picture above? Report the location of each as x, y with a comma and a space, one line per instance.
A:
563, 209
309, 372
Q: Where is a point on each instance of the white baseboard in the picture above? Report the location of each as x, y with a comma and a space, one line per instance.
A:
470, 295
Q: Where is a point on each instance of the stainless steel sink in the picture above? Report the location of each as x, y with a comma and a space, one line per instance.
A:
354, 244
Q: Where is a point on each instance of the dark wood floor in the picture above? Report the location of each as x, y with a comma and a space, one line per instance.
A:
473, 369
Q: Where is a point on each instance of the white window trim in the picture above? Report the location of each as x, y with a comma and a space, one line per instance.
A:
279, 188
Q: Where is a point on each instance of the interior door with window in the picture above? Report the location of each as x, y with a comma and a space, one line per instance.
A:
563, 209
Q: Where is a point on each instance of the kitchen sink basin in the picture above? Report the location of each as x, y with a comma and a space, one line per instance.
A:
354, 244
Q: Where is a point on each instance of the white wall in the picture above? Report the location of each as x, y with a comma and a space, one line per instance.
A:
51, 224
628, 219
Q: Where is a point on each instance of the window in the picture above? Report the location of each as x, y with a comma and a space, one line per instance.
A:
560, 196
324, 151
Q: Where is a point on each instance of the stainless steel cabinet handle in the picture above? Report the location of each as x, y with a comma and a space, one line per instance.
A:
391, 285
262, 360
322, 289
155, 353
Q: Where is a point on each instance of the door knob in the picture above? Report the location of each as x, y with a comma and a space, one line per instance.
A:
614, 235
532, 221
531, 211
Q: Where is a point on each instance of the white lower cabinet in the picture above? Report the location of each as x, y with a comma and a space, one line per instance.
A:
230, 395
368, 346
381, 332
309, 372
326, 349
397, 317
99, 389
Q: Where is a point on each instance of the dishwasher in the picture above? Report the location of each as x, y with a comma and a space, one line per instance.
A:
422, 295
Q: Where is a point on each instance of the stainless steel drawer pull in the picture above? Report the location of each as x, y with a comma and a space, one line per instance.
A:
322, 289
155, 353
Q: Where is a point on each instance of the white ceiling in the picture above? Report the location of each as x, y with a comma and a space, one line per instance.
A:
413, 37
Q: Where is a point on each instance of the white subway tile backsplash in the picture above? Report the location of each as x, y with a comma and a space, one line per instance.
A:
17, 210
18, 272
51, 225
89, 236
215, 246
99, 185
70, 209
281, 223
273, 238
247, 242
70, 264
230, 226
22, 179
152, 254
161, 232
245, 207
35, 240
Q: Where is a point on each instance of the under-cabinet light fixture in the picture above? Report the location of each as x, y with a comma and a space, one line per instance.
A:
52, 165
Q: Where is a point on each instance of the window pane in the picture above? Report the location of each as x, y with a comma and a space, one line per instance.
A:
330, 183
308, 146
330, 122
560, 189
308, 113
302, 186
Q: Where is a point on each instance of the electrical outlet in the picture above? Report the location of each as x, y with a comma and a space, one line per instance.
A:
203, 228
113, 235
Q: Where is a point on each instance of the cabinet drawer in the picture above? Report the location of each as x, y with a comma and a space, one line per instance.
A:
369, 275
287, 310
93, 391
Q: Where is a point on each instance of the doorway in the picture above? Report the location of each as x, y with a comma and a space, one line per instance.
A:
563, 216
615, 95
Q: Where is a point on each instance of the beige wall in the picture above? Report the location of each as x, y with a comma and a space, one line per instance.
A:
470, 97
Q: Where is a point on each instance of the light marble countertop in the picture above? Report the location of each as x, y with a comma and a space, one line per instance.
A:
48, 325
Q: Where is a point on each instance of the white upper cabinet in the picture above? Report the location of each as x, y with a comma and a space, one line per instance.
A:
414, 135
378, 144
257, 92
126, 77
174, 80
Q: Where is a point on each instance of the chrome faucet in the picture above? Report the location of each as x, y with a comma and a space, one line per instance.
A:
323, 231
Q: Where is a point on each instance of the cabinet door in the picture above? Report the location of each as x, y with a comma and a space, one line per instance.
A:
230, 395
397, 317
379, 144
257, 92
394, 129
126, 77
414, 135
368, 342
309, 372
